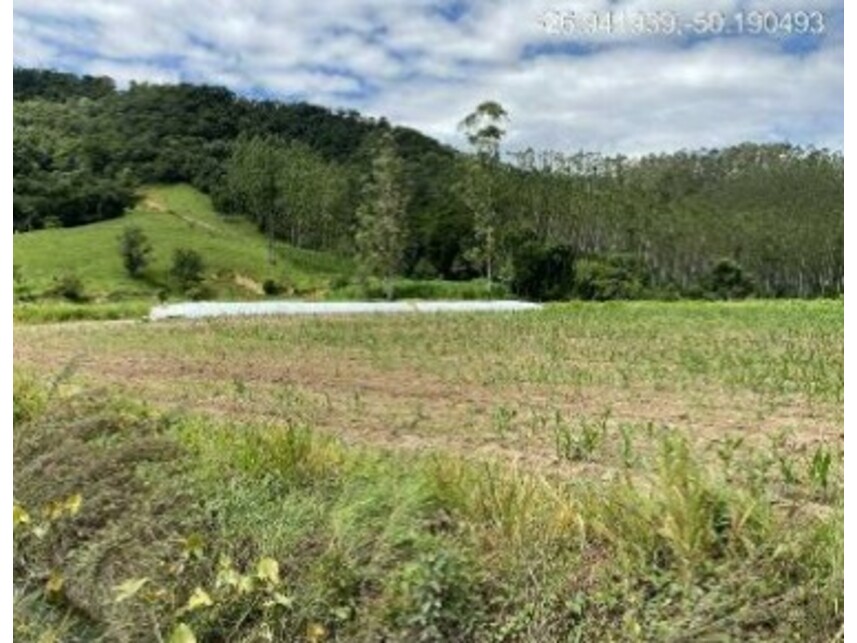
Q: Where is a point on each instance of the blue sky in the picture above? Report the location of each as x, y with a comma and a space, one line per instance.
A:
427, 63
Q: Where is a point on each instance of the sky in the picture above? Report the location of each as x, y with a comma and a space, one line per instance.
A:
568, 79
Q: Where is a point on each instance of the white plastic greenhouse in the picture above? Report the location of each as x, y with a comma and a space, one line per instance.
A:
196, 310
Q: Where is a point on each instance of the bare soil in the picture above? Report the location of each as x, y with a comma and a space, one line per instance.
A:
393, 405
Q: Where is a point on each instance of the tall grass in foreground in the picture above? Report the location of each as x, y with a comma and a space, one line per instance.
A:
250, 532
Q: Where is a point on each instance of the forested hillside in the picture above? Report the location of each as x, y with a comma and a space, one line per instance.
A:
763, 220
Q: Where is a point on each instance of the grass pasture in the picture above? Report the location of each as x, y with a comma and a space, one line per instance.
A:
636, 471
176, 216
234, 251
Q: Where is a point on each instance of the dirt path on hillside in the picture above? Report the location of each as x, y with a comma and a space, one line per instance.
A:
153, 205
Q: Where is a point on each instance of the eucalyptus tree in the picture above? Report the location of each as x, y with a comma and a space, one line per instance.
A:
252, 174
484, 131
380, 237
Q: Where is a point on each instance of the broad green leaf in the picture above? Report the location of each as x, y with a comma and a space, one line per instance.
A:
20, 515
268, 569
54, 583
194, 545
72, 504
182, 634
199, 598
128, 589
228, 577
54, 510
245, 584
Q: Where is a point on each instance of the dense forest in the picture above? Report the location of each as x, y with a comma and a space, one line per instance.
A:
763, 220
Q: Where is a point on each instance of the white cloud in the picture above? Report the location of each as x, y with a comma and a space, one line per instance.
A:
637, 100
632, 94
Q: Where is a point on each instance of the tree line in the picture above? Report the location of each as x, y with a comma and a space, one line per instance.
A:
747, 219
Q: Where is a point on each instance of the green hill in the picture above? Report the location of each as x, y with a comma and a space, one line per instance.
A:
234, 251
762, 219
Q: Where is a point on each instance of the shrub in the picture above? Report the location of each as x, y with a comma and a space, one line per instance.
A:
543, 272
340, 281
187, 269
22, 289
52, 223
664, 292
135, 249
727, 280
424, 269
29, 399
69, 286
607, 277
200, 291
60, 311
271, 287
433, 289
435, 601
